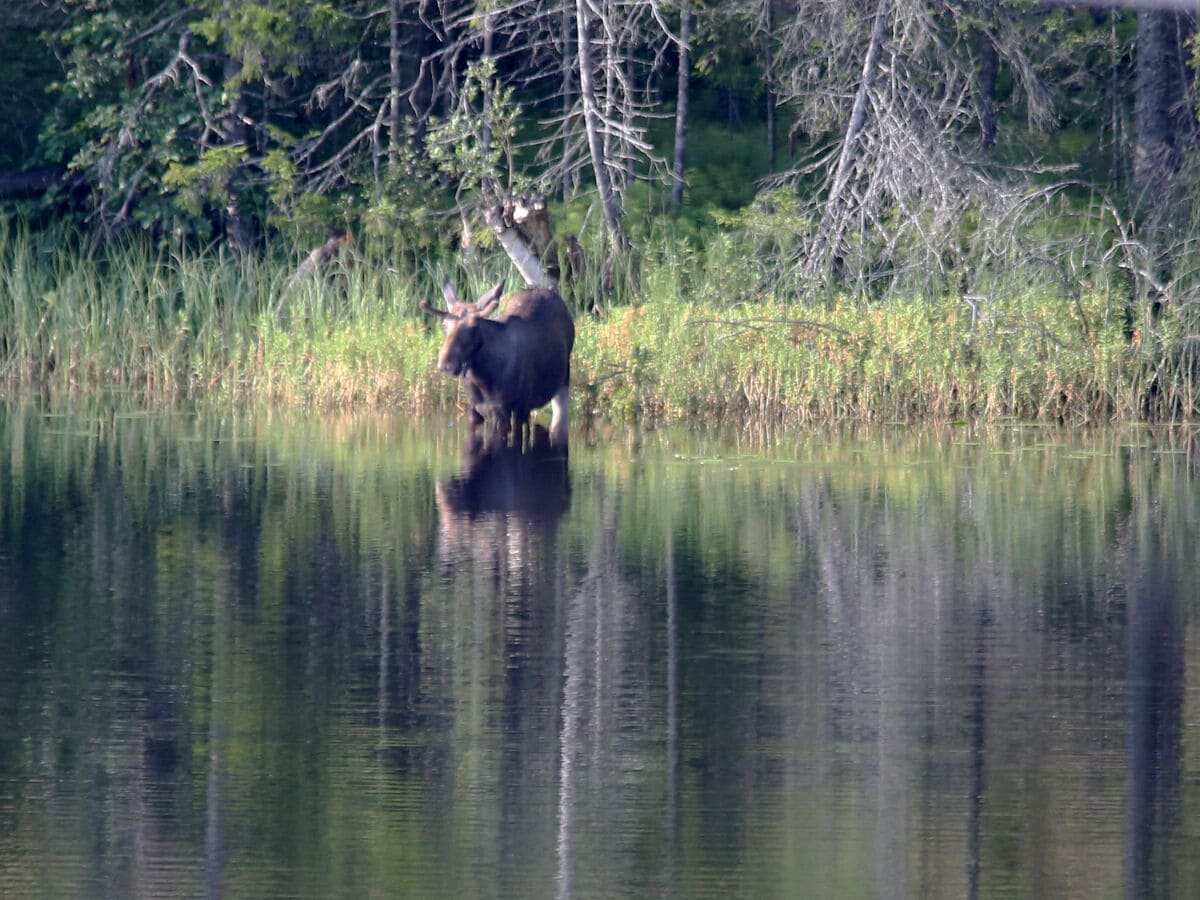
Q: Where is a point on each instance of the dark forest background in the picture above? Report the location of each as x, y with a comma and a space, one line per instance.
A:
860, 144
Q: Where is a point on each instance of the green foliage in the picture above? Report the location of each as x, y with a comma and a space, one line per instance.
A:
268, 38
173, 114
206, 180
772, 223
125, 114
162, 325
474, 142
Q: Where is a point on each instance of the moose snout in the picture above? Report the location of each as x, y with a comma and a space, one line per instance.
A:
450, 362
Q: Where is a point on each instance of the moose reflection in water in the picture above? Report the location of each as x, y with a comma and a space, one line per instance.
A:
513, 365
504, 494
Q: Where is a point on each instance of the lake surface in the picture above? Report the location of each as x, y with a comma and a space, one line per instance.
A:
279, 656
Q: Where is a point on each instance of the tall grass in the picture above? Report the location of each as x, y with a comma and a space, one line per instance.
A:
179, 324
127, 320
696, 340
1028, 358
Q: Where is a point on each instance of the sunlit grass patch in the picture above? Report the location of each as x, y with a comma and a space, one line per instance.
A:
1027, 356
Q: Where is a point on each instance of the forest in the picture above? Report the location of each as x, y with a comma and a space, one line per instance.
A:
1001, 190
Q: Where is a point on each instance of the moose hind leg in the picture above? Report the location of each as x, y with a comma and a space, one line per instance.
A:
560, 408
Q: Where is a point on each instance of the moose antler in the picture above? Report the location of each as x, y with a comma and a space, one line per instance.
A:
457, 309
469, 310
434, 311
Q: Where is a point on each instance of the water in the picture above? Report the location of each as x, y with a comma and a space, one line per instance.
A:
293, 657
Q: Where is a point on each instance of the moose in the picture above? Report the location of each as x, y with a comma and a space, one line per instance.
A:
513, 364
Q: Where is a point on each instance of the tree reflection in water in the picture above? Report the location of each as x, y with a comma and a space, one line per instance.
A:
308, 660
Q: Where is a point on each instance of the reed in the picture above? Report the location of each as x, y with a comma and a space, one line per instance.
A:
162, 325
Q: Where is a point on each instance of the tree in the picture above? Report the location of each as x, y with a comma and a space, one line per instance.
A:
890, 105
215, 114
582, 71
212, 118
217, 118
119, 110
768, 46
987, 74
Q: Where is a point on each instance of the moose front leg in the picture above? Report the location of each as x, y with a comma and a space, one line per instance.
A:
476, 405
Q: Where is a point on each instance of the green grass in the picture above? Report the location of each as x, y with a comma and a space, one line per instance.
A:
693, 343
1029, 359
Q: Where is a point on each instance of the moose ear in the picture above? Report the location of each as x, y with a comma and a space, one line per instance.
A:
489, 299
448, 292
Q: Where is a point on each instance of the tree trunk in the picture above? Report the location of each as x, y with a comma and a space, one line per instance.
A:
832, 227
627, 117
772, 99
489, 34
570, 182
593, 126
681, 104
395, 121
517, 249
987, 69
1159, 109
241, 229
